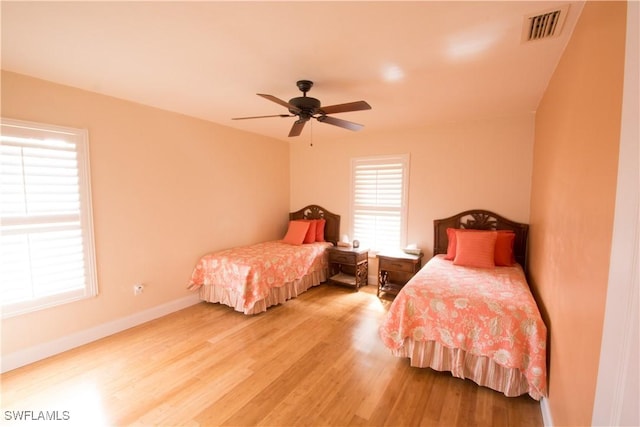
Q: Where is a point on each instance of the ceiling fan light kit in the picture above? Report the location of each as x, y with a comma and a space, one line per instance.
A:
306, 108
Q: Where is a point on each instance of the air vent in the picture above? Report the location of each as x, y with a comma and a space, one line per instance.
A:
544, 25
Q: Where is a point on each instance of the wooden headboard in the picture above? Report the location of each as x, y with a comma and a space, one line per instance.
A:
479, 219
332, 226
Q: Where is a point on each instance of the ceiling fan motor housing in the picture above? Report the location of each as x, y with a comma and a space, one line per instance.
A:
305, 104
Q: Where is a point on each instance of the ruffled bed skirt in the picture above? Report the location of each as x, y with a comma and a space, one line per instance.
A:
480, 369
277, 295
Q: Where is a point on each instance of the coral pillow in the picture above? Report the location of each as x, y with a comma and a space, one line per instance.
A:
320, 223
475, 249
503, 253
451, 246
451, 235
310, 237
504, 248
296, 232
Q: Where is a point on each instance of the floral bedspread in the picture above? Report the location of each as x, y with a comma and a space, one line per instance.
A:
487, 312
253, 270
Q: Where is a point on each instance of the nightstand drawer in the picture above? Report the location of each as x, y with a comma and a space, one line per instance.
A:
342, 258
397, 265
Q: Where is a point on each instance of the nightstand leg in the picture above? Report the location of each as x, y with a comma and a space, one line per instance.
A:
362, 272
382, 280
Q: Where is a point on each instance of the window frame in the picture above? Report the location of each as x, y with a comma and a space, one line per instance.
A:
80, 139
381, 160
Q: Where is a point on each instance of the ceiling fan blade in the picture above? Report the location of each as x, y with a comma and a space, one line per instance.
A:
297, 127
343, 108
280, 101
339, 122
262, 117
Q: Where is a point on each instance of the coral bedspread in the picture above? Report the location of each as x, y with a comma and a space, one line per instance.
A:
250, 273
472, 313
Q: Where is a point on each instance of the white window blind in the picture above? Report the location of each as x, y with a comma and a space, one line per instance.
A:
379, 188
47, 250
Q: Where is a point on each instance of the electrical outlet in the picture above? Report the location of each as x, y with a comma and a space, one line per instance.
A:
138, 288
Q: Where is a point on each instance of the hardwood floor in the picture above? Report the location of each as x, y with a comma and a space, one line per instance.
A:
316, 360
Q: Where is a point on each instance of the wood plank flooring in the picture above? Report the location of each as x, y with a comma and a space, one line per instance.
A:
314, 361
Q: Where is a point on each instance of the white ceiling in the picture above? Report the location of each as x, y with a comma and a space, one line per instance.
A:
451, 60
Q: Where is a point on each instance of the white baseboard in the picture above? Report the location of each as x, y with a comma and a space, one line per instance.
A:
51, 348
546, 412
372, 280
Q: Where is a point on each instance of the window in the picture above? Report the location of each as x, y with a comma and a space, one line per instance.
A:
47, 251
379, 199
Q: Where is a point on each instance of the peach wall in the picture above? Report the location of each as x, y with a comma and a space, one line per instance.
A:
572, 204
166, 189
453, 167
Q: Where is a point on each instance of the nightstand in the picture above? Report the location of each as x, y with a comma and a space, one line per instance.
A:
348, 266
395, 270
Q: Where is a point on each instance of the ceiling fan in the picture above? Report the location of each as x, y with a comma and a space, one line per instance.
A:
306, 108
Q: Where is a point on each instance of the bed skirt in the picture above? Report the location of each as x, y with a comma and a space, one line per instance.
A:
277, 295
480, 369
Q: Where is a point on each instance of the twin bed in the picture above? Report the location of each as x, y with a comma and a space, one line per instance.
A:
252, 278
469, 310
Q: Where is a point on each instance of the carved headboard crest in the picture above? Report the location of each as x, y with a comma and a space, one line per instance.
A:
479, 221
313, 212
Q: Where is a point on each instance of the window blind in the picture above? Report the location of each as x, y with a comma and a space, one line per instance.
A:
379, 199
47, 238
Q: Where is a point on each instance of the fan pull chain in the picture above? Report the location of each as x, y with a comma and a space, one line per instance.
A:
311, 134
